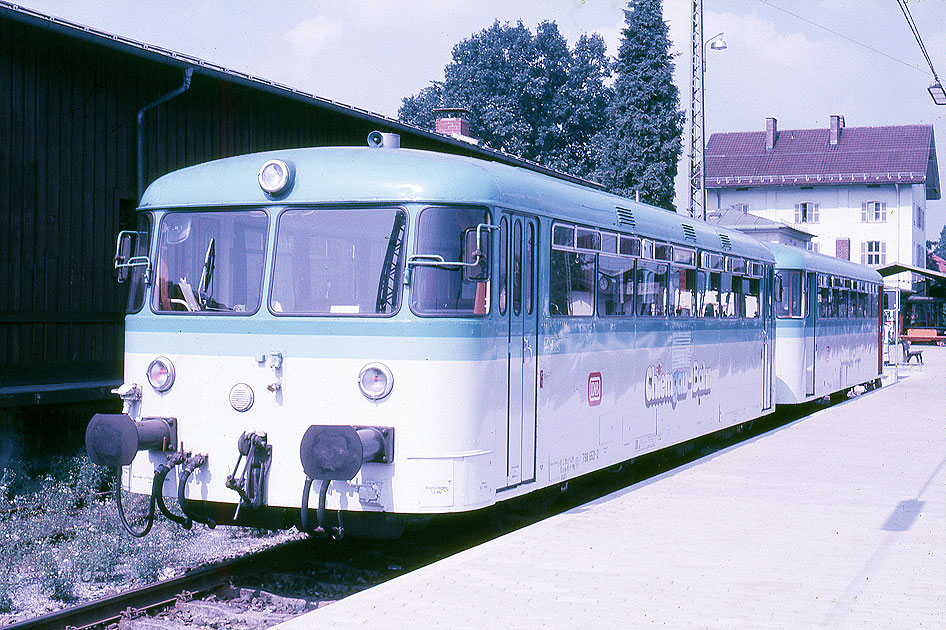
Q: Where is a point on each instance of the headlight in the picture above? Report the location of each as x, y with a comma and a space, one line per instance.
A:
275, 177
375, 381
161, 374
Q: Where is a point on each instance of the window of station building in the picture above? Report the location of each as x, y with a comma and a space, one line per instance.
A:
874, 253
789, 294
572, 272
615, 286
874, 212
444, 289
806, 212
651, 289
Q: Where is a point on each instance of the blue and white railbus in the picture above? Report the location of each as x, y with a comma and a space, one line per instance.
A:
416, 333
829, 323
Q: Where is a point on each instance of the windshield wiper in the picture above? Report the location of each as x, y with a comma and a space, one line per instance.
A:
204, 289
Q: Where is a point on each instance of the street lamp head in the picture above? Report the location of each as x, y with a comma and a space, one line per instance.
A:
719, 45
938, 93
716, 42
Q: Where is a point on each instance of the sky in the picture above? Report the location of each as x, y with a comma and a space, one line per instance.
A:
799, 61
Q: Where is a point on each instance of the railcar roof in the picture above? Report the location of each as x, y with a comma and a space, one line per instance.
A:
796, 258
387, 175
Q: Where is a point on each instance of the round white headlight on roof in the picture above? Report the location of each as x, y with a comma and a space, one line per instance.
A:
375, 381
161, 374
275, 177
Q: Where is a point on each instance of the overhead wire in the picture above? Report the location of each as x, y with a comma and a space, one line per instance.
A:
845, 37
916, 34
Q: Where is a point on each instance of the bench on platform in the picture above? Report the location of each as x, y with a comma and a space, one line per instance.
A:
909, 353
924, 335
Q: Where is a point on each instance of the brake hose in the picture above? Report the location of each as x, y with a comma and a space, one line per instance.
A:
189, 466
157, 491
339, 532
121, 510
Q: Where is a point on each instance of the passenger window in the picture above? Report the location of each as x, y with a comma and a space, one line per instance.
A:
682, 292
517, 268
824, 302
710, 292
503, 262
530, 269
730, 295
752, 295
571, 290
615, 286
651, 289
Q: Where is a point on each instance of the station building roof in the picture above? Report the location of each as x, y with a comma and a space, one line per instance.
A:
901, 154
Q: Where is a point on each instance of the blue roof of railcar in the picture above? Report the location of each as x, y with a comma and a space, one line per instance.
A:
796, 258
373, 175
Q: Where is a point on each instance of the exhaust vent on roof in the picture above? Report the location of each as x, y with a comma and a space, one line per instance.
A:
725, 242
689, 233
625, 216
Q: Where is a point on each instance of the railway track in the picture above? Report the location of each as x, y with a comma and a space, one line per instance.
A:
273, 585
163, 594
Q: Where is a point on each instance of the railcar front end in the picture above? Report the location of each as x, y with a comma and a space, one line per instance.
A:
828, 325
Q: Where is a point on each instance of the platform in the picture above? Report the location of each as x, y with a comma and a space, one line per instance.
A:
837, 520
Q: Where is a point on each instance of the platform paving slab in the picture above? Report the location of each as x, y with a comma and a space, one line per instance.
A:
837, 520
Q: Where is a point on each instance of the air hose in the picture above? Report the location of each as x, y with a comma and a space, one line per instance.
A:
157, 490
336, 532
149, 520
189, 467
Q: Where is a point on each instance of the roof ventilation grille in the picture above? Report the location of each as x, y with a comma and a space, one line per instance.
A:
625, 216
689, 233
725, 242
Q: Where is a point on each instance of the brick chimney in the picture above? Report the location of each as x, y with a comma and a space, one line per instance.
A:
453, 121
771, 132
834, 132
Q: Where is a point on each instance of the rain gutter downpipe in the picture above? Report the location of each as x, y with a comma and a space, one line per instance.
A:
188, 72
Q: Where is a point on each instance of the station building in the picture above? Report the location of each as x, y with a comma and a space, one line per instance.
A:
861, 192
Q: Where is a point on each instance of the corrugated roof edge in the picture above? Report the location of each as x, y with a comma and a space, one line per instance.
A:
201, 66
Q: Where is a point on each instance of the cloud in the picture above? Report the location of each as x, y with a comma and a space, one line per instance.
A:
313, 36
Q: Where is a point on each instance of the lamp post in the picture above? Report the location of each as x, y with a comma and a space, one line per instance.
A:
698, 50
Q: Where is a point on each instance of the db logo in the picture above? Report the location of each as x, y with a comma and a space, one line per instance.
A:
594, 389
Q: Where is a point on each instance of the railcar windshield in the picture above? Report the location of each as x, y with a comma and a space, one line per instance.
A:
791, 299
210, 262
443, 289
338, 262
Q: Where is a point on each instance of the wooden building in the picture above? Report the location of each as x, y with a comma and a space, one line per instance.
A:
73, 103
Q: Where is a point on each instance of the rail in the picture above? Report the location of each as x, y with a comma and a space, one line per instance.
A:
165, 593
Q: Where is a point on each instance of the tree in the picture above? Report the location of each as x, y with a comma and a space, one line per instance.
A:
939, 247
529, 95
639, 150
419, 109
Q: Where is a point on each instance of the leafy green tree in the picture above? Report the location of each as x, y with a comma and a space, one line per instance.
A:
639, 150
419, 109
529, 95
939, 248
